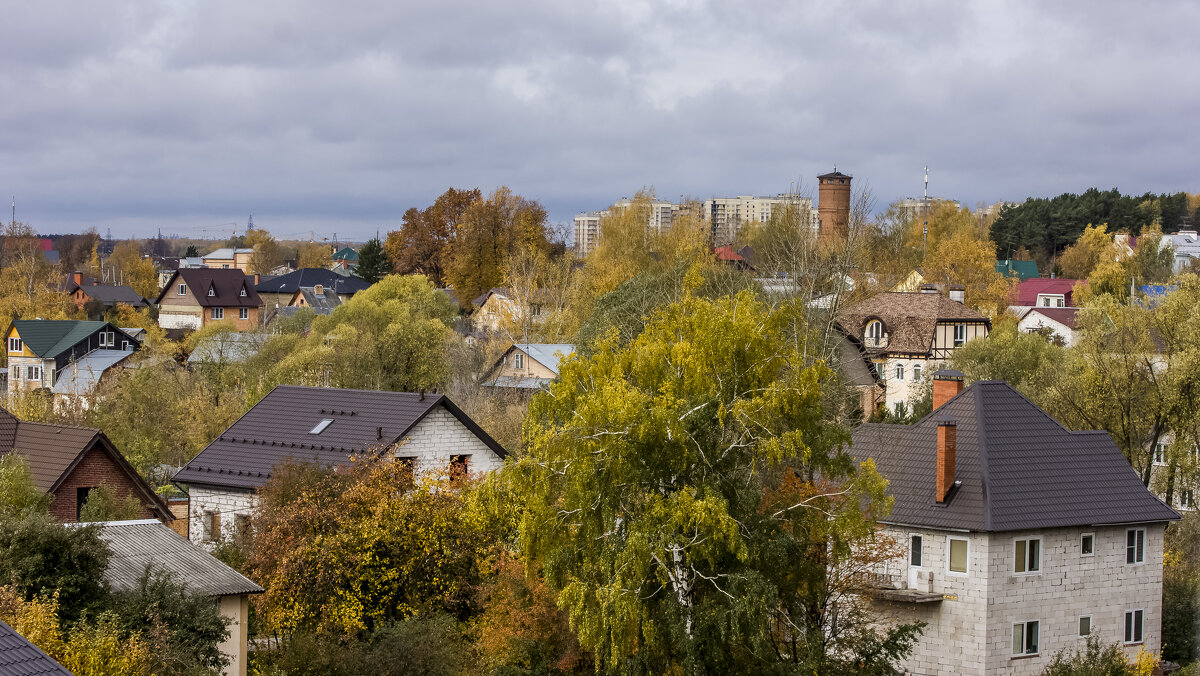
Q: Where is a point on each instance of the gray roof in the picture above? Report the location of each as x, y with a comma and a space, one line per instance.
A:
546, 353
310, 277
111, 295
20, 657
136, 545
226, 253
278, 428
1019, 468
81, 375
227, 347
518, 383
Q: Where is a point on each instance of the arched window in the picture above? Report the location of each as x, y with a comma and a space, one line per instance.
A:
917, 372
874, 331
899, 371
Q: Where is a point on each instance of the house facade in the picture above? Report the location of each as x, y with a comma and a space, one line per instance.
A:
135, 546
905, 336
527, 366
1011, 551
41, 350
196, 297
1059, 322
229, 259
326, 426
500, 307
69, 462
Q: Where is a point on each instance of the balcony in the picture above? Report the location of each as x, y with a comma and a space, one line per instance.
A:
895, 587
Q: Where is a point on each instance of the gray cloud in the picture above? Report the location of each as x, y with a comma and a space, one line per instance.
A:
188, 114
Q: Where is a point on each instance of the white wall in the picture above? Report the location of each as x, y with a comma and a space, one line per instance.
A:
237, 610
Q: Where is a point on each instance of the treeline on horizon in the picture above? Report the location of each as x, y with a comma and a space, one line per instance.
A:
1045, 226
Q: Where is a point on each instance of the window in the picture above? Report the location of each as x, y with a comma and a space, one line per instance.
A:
224, 266
1160, 453
241, 523
1133, 626
916, 373
16, 373
1025, 638
957, 561
243, 293
182, 289
103, 339
108, 339
320, 427
81, 498
243, 313
914, 551
899, 371
408, 465
14, 344
124, 344
1085, 625
960, 335
1046, 302
1087, 544
518, 361
218, 313
33, 372
874, 332
1135, 545
1186, 499
459, 466
212, 525
211, 292
1027, 556
1059, 302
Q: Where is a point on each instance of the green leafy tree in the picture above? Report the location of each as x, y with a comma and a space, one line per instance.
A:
1027, 361
19, 495
184, 629
372, 262
673, 499
39, 556
103, 504
192, 252
488, 232
1095, 659
1181, 591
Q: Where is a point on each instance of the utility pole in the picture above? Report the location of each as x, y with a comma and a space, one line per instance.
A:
925, 227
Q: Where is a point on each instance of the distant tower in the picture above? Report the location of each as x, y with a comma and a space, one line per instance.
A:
833, 206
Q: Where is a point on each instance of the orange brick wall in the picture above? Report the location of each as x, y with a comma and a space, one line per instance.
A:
96, 469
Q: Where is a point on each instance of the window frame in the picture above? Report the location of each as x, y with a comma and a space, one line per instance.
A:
917, 372
216, 313
1082, 536
1160, 454
14, 344
1024, 625
899, 372
874, 331
916, 544
519, 361
1135, 552
33, 372
243, 313
959, 342
1079, 626
181, 290
321, 426
1136, 633
966, 571
1026, 558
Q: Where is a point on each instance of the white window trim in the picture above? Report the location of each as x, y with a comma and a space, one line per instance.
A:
1024, 628
14, 344
899, 371
216, 313
181, 289
1124, 619
910, 539
243, 313
1027, 572
1126, 543
1081, 537
1091, 626
518, 361
967, 571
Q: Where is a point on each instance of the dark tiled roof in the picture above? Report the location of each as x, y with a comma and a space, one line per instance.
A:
134, 545
909, 318
111, 295
277, 429
68, 282
1067, 316
20, 657
835, 174
322, 303
1019, 468
310, 277
227, 285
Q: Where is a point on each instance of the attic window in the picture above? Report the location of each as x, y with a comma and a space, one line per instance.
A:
321, 426
182, 289
212, 291
243, 293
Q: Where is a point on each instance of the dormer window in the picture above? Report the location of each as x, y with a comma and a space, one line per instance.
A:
14, 344
320, 427
182, 289
874, 332
211, 292
243, 293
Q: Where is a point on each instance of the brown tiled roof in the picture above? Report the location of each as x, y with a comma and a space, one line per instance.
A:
1020, 469
278, 428
909, 319
227, 285
52, 451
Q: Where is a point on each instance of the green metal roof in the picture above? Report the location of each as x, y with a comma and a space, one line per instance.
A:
47, 338
346, 254
1022, 270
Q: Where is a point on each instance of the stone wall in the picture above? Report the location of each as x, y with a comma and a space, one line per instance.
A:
227, 503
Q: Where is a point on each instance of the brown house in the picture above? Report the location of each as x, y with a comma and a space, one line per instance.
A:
84, 290
195, 297
69, 462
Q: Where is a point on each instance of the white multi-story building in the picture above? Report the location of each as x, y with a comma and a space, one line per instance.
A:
587, 224
728, 215
1019, 538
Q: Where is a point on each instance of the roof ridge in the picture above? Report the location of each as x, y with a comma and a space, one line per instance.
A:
981, 444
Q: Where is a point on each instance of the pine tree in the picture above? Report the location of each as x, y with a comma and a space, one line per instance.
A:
372, 262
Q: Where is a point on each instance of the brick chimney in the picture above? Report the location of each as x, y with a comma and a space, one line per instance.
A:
77, 277
946, 385
947, 433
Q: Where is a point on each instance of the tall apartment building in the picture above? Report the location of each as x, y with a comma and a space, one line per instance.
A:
587, 224
728, 215
913, 208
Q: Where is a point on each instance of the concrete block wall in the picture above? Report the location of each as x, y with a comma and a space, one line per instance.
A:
438, 437
226, 502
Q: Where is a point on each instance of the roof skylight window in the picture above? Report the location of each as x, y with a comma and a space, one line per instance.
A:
321, 426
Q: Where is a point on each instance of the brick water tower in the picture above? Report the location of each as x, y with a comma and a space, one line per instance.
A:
833, 205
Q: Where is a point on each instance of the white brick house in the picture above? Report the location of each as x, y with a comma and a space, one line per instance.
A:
326, 426
1022, 538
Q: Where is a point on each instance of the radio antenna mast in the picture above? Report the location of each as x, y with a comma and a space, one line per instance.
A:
925, 226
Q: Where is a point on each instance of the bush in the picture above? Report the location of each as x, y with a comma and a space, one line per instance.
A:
39, 556
184, 628
103, 504
1094, 660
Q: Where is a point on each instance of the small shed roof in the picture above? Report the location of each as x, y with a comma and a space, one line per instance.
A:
81, 375
135, 546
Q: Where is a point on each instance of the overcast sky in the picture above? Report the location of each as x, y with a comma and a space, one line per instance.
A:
193, 114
